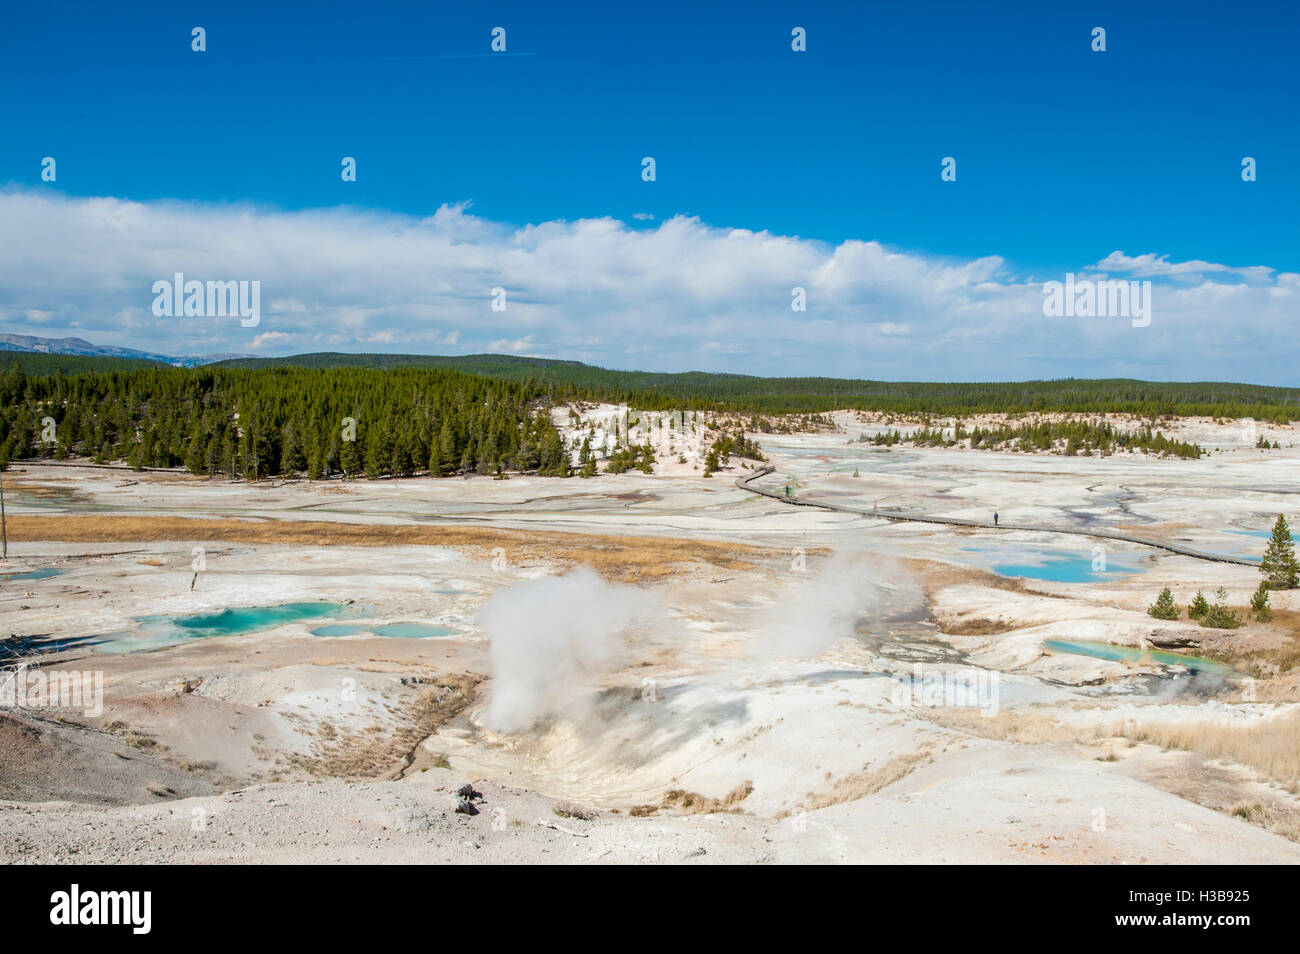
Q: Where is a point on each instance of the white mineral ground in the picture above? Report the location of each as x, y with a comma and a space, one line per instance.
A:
774, 671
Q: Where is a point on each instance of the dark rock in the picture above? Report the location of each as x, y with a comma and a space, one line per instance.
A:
1173, 639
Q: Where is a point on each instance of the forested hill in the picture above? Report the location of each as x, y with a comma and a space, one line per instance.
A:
739, 392
546, 379
41, 364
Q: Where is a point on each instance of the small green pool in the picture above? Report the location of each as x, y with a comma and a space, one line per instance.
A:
1133, 654
160, 632
43, 573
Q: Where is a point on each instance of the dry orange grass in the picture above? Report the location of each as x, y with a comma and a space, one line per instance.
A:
868, 781
935, 576
1273, 815
1272, 748
696, 804
624, 558
975, 627
1287, 655
1020, 726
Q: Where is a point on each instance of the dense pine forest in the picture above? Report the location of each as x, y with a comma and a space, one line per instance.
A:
322, 415
696, 390
40, 364
283, 421
746, 394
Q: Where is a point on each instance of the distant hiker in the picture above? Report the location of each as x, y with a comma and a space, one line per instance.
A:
995, 519
787, 490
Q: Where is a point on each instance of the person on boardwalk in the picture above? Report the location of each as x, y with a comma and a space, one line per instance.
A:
995, 518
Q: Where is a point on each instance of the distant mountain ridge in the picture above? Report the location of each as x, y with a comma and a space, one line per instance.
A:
78, 346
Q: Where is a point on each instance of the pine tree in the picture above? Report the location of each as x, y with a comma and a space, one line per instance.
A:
1259, 603
292, 456
448, 455
228, 454
349, 459
1200, 606
586, 461
1219, 616
489, 457
330, 457
194, 453
315, 455
554, 456
400, 458
1279, 563
379, 450
1164, 607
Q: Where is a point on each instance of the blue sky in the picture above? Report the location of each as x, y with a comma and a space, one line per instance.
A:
1064, 155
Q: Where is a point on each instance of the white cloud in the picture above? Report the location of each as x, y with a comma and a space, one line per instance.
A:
271, 338
513, 347
678, 295
1153, 266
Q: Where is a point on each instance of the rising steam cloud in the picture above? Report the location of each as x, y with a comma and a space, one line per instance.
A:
821, 607
552, 637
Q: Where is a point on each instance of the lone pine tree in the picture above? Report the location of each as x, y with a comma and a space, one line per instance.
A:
1279, 564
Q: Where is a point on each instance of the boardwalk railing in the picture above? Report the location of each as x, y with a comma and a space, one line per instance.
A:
746, 483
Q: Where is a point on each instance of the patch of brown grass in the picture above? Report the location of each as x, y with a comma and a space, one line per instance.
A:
1255, 660
936, 575
1281, 819
696, 804
1271, 748
1026, 728
976, 627
1287, 658
868, 781
616, 557
1287, 655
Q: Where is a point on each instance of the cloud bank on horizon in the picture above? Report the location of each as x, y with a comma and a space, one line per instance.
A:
668, 295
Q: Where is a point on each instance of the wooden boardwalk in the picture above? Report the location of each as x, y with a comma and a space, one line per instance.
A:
746, 483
